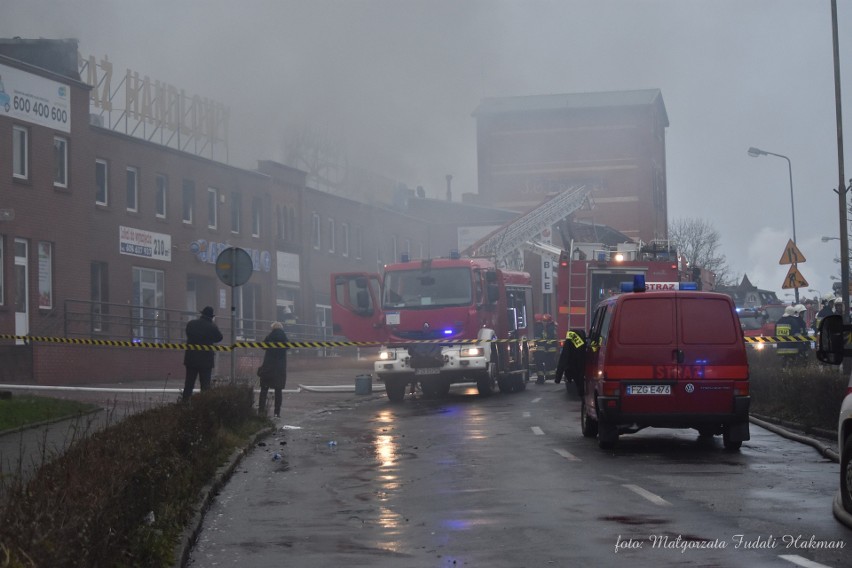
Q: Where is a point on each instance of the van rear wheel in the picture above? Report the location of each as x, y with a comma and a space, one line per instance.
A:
588, 425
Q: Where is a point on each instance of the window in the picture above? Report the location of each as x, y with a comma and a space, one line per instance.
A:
45, 275
212, 207
291, 223
315, 231
359, 243
132, 189
188, 200
60, 162
236, 212
20, 151
101, 182
161, 196
256, 207
344, 239
330, 235
99, 296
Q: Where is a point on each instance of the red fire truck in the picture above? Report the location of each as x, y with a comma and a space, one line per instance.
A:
594, 272
441, 321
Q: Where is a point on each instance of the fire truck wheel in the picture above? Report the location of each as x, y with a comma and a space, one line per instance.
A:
588, 425
485, 385
505, 385
520, 382
395, 388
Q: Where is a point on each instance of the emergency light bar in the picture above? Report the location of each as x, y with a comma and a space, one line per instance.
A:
639, 285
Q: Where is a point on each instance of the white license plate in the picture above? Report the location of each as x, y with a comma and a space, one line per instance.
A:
428, 371
649, 389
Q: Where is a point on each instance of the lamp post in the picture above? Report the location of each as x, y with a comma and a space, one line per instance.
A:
756, 152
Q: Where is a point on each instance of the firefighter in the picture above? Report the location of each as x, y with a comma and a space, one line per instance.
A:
827, 309
545, 347
791, 324
572, 358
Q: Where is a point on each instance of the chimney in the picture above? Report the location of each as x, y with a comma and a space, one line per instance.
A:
449, 187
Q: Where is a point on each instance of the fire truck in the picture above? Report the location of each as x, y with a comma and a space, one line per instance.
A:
441, 321
592, 272
465, 318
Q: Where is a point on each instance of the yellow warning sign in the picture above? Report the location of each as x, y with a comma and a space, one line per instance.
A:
794, 279
792, 255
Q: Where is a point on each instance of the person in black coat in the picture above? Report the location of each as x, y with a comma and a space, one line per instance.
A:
273, 371
201, 331
572, 358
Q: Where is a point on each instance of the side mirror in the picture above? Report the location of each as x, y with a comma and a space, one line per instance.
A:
830, 340
362, 298
493, 292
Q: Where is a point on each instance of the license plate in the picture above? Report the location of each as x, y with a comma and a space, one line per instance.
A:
428, 371
649, 389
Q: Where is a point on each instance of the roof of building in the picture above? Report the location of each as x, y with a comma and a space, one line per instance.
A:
604, 99
588, 232
56, 55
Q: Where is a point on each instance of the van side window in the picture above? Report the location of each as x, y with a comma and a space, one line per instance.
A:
606, 323
597, 320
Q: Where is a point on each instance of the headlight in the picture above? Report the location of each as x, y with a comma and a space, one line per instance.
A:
387, 355
759, 346
472, 352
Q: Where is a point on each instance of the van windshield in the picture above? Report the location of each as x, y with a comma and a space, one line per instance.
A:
437, 287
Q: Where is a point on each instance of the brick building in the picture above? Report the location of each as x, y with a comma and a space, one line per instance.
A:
532, 146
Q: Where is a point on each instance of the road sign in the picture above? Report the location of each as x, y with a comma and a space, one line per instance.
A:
792, 255
794, 279
234, 266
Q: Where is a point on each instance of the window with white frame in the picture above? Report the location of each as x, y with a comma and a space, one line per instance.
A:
344, 239
315, 231
188, 196
132, 189
256, 208
212, 207
358, 245
45, 275
236, 211
20, 152
60, 162
101, 182
161, 196
330, 234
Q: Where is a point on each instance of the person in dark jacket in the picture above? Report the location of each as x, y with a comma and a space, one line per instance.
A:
198, 363
273, 371
572, 358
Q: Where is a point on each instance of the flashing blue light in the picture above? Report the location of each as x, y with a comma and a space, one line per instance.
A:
688, 286
404, 257
448, 332
627, 286
454, 254
638, 282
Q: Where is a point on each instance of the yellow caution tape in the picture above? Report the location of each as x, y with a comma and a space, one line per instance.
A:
573, 337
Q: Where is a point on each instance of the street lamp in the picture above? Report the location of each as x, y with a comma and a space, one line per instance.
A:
826, 239
756, 152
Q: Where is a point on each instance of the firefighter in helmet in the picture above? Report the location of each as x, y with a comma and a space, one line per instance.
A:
545, 348
787, 328
827, 309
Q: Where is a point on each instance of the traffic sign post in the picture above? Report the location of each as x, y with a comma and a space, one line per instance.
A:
794, 279
234, 268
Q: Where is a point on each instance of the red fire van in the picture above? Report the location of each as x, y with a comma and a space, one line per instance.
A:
672, 359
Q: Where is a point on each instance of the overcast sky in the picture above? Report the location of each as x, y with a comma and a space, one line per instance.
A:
396, 81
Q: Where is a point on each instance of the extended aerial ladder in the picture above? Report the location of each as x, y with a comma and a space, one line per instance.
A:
520, 233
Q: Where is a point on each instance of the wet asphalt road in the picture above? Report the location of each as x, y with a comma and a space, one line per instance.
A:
510, 481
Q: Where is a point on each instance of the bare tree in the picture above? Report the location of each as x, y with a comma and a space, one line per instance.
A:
700, 241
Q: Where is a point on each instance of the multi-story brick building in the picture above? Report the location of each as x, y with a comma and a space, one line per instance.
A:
532, 146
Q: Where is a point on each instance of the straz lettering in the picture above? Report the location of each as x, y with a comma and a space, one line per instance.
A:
686, 372
660, 286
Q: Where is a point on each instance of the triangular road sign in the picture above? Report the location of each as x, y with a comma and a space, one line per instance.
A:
792, 254
794, 279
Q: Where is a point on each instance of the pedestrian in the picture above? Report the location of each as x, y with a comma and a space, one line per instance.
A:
199, 363
273, 371
827, 309
572, 358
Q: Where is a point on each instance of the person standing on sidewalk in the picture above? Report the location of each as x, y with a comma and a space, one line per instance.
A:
273, 371
198, 363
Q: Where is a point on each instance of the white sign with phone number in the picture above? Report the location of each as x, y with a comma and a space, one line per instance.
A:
34, 99
136, 242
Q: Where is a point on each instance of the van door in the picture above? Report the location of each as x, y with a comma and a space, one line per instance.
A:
712, 354
356, 307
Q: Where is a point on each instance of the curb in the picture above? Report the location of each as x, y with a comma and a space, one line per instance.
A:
223, 474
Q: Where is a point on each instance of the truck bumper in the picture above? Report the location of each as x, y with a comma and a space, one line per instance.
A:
455, 367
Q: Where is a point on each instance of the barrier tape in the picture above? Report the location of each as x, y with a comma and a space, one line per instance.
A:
764, 339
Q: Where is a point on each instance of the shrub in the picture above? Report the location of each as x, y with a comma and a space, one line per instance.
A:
809, 395
122, 496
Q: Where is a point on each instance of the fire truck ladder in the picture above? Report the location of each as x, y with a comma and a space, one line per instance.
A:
514, 235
